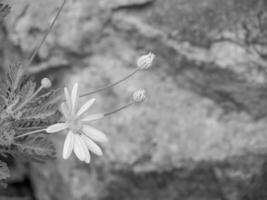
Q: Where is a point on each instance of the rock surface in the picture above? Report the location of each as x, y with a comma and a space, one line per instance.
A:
202, 133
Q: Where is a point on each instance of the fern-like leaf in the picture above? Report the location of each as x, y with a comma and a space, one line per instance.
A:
26, 91
42, 107
23, 110
15, 76
38, 147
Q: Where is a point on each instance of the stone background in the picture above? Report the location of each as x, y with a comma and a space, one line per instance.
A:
202, 133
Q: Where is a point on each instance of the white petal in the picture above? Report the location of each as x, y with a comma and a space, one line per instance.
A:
78, 150
88, 158
85, 150
85, 107
94, 134
74, 96
92, 117
65, 110
67, 95
92, 146
68, 145
56, 127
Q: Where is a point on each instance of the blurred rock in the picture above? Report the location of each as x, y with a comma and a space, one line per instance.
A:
202, 132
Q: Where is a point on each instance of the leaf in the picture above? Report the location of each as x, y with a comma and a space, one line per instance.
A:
38, 147
50, 97
4, 171
41, 112
6, 136
17, 92
42, 107
25, 124
24, 112
10, 87
26, 91
15, 76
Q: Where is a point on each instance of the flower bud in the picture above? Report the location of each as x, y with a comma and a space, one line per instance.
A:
139, 96
46, 83
145, 61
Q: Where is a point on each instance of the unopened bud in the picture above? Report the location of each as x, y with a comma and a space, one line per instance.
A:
46, 83
145, 61
139, 96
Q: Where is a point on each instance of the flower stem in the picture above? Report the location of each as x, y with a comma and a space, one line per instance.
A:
29, 100
111, 85
119, 109
30, 133
46, 34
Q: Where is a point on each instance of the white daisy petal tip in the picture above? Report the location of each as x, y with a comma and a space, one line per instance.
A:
56, 127
85, 107
95, 134
76, 85
64, 110
87, 156
87, 160
66, 90
74, 94
65, 157
68, 145
92, 146
105, 140
68, 99
80, 149
93, 100
78, 153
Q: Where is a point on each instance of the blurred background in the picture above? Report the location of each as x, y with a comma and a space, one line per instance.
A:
201, 134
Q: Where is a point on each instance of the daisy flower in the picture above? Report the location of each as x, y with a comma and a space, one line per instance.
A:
81, 137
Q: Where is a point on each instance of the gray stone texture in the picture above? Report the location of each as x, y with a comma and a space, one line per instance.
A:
201, 134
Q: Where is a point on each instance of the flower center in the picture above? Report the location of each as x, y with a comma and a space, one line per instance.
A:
75, 126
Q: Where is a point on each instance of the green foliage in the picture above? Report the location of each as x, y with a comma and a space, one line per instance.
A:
37, 147
23, 110
25, 107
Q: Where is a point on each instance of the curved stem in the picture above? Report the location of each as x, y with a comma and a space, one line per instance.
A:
119, 109
29, 100
111, 85
47, 33
30, 133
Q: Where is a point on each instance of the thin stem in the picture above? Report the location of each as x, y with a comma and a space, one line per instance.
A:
119, 109
30, 133
29, 100
46, 34
31, 128
111, 85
